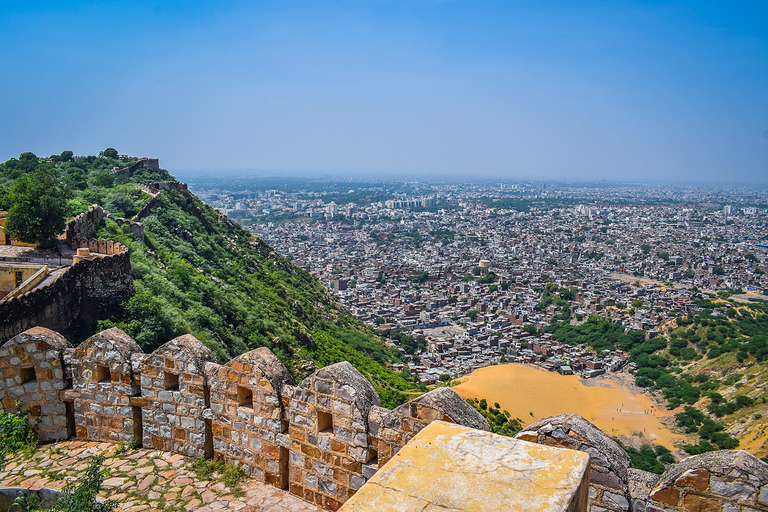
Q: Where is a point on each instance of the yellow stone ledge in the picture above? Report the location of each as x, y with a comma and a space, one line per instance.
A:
448, 467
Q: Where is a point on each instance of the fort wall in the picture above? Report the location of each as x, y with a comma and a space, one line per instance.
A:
321, 439
90, 289
84, 226
155, 189
149, 163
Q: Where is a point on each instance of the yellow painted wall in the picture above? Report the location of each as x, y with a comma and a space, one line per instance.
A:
8, 280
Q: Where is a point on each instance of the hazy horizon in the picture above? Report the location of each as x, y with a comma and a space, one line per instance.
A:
637, 91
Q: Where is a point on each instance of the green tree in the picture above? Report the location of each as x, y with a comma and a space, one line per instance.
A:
38, 207
109, 153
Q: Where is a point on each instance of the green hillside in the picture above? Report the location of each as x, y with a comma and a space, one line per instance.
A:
709, 366
197, 272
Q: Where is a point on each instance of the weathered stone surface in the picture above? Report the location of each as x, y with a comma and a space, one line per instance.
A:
713, 481
452, 406
246, 397
174, 379
640, 485
666, 495
103, 363
30, 364
697, 479
450, 467
88, 290
608, 461
696, 503
328, 414
397, 427
322, 439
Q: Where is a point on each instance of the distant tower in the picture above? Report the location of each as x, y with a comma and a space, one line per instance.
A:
331, 210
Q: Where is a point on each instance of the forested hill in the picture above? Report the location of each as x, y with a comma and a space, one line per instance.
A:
197, 272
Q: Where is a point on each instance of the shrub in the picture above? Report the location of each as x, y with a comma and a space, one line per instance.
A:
16, 435
83, 497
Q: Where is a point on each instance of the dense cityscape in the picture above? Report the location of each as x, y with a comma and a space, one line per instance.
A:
464, 276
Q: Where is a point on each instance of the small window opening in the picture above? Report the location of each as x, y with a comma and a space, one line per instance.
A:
102, 374
69, 410
244, 397
171, 381
19, 278
324, 422
208, 439
28, 374
138, 431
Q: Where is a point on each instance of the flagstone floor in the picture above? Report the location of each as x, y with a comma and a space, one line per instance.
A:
144, 480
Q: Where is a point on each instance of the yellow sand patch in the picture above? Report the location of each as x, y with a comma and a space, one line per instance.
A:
613, 407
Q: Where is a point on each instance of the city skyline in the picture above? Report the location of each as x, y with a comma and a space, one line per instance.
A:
666, 91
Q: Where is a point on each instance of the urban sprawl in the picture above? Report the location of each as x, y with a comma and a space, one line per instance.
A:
468, 271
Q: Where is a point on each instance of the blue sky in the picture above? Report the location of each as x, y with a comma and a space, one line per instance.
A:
515, 89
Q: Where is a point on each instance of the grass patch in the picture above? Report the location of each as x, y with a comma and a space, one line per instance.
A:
219, 471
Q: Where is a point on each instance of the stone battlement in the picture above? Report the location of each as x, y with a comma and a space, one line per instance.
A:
322, 438
154, 188
84, 225
98, 281
149, 163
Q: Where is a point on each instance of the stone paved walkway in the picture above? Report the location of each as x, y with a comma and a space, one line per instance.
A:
144, 480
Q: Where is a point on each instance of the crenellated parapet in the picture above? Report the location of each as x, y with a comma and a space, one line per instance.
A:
723, 480
148, 163
320, 439
175, 395
328, 430
103, 383
84, 225
324, 438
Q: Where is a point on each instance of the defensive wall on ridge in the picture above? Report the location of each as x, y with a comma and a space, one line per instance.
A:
98, 281
155, 189
320, 439
149, 163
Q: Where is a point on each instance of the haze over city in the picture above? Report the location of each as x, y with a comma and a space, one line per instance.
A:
519, 90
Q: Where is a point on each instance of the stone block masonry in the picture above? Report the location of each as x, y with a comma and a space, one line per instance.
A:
609, 478
317, 439
148, 163
248, 424
175, 395
450, 467
103, 383
328, 431
84, 226
88, 290
324, 438
33, 377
